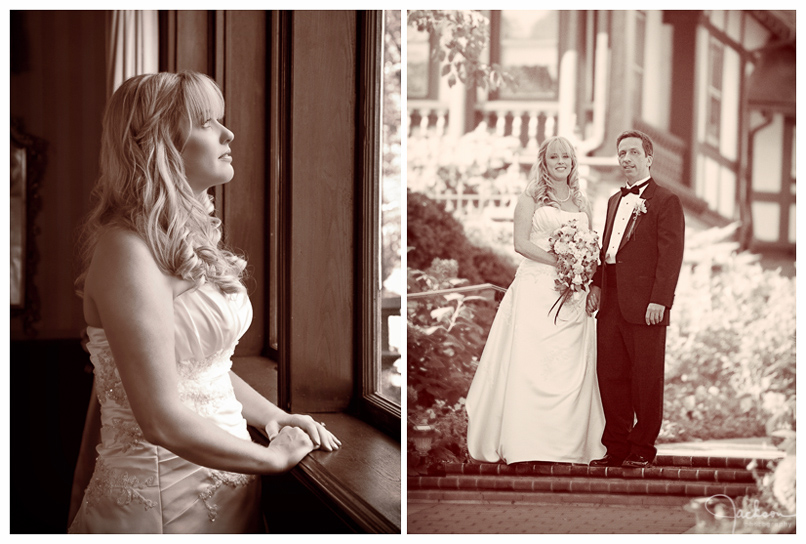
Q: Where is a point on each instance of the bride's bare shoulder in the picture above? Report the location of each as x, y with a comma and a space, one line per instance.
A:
122, 255
118, 244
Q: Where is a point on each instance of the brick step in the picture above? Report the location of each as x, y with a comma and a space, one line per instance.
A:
688, 473
580, 484
492, 496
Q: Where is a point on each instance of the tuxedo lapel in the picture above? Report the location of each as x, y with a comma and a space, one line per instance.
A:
632, 224
612, 207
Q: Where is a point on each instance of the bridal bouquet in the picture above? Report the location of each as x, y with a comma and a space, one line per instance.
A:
577, 251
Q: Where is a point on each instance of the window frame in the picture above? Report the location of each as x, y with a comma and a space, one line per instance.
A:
639, 62
432, 69
369, 404
496, 51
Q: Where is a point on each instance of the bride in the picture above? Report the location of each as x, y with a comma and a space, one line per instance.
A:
165, 306
535, 396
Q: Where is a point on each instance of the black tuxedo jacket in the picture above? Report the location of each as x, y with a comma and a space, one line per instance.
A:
650, 254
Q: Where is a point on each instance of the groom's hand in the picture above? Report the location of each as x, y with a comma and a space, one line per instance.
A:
654, 313
594, 296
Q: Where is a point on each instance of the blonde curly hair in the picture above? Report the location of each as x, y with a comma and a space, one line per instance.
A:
540, 187
143, 187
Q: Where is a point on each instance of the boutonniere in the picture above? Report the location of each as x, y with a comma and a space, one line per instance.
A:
637, 212
640, 208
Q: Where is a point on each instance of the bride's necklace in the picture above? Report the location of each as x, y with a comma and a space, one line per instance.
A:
567, 196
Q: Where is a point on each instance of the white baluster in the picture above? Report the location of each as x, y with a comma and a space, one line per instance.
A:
516, 124
442, 118
532, 144
549, 129
424, 115
483, 125
501, 123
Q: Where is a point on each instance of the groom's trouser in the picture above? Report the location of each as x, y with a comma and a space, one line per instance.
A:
630, 363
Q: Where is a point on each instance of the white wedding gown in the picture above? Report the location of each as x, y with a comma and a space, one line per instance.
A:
138, 487
535, 395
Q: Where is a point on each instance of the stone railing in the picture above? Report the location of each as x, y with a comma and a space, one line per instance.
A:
529, 122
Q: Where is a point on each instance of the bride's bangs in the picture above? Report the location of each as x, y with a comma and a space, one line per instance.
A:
558, 146
203, 99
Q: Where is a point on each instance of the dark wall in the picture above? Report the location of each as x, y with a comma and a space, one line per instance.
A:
57, 89
50, 389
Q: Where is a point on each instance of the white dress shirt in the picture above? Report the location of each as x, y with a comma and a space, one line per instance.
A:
625, 210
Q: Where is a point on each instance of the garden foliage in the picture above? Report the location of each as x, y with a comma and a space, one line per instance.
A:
432, 233
730, 360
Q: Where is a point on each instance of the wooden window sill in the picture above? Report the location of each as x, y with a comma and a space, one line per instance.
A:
361, 481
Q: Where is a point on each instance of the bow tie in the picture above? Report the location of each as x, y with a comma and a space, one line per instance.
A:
635, 189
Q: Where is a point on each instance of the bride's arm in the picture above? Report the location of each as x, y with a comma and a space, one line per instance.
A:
134, 300
260, 413
524, 211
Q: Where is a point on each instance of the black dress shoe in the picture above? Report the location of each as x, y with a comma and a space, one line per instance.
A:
637, 461
607, 461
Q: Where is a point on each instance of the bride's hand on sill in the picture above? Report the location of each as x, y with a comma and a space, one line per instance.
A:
288, 447
322, 438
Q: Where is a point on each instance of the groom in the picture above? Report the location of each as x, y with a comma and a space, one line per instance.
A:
633, 289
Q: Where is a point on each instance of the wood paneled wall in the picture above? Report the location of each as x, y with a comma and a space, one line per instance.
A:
323, 213
60, 97
230, 46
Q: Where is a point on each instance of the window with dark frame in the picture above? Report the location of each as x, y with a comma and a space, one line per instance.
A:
418, 64
638, 63
377, 329
380, 224
714, 92
526, 45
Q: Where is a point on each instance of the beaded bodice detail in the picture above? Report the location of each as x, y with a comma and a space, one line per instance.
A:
208, 325
138, 486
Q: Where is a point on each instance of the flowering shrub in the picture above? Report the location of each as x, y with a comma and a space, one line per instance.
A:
730, 358
477, 163
730, 355
445, 338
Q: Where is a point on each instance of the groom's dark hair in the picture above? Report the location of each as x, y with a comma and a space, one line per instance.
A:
646, 142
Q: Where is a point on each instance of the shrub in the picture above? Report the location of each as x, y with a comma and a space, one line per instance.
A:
730, 356
730, 359
445, 338
434, 233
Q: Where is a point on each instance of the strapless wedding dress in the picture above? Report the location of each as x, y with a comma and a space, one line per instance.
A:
535, 395
138, 487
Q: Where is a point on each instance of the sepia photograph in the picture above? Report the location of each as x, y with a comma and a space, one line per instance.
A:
211, 212
206, 272
601, 239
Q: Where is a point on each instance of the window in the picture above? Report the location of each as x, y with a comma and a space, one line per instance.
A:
380, 223
714, 98
638, 64
525, 43
392, 282
418, 63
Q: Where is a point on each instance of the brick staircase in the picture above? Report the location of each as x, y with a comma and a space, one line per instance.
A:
673, 479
